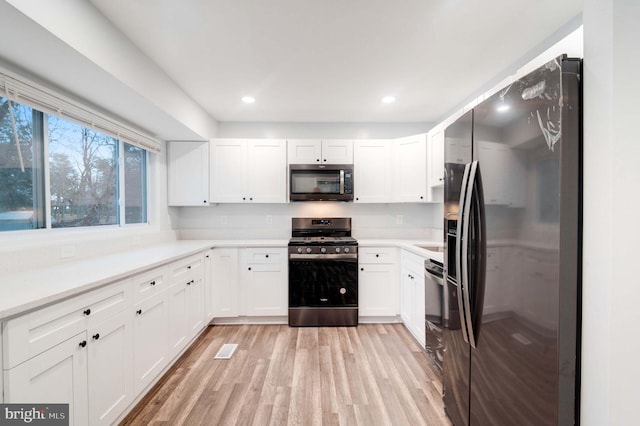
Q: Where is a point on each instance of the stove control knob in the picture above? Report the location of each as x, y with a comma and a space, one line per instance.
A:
299, 249
337, 249
308, 249
346, 249
323, 250
343, 290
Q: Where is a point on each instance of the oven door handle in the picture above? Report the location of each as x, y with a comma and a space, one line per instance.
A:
295, 256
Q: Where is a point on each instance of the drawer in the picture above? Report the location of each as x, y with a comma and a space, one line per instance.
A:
150, 283
186, 269
265, 255
31, 334
377, 255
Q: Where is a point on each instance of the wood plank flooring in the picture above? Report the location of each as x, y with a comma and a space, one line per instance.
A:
373, 374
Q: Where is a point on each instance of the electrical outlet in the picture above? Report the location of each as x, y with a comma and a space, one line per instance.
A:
67, 251
269, 219
399, 219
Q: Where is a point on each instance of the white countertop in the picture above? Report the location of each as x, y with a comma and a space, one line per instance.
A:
24, 291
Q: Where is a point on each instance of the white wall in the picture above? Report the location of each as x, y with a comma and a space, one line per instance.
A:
611, 290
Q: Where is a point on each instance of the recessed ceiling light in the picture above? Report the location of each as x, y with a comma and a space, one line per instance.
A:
388, 99
248, 99
503, 108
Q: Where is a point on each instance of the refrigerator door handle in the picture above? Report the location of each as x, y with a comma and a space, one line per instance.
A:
461, 243
470, 170
474, 266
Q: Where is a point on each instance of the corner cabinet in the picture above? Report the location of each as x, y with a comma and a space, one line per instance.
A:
248, 171
188, 173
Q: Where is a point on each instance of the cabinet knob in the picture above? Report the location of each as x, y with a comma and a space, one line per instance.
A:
266, 255
249, 268
96, 336
244, 198
421, 197
325, 160
357, 198
317, 160
377, 255
362, 269
441, 179
139, 312
250, 198
82, 344
189, 267
205, 201
87, 312
190, 282
152, 283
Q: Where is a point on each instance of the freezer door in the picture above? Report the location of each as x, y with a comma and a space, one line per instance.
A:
526, 142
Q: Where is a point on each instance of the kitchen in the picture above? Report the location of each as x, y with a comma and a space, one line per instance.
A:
608, 381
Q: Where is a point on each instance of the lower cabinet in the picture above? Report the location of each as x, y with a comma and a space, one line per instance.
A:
58, 375
150, 339
378, 287
110, 369
264, 274
412, 304
224, 283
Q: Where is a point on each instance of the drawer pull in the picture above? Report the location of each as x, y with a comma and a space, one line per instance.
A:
87, 312
83, 344
96, 336
189, 267
152, 283
139, 312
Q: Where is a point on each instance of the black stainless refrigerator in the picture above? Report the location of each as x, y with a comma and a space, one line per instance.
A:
512, 224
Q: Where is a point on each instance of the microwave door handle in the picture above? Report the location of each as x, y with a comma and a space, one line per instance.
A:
341, 181
461, 267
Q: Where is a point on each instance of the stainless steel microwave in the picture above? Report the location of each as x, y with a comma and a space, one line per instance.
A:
321, 182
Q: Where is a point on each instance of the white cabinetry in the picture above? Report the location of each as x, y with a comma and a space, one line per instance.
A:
208, 285
188, 170
378, 287
225, 283
316, 151
248, 170
435, 144
410, 169
150, 339
264, 274
186, 302
373, 171
60, 354
412, 306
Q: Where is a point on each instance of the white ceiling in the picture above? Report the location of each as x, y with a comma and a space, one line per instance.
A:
333, 60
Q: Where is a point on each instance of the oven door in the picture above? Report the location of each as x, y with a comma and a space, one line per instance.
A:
323, 281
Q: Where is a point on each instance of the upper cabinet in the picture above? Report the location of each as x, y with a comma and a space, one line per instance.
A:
316, 151
373, 171
248, 170
188, 168
435, 146
410, 179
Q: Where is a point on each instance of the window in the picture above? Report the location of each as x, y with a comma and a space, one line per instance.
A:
135, 184
21, 176
86, 185
83, 171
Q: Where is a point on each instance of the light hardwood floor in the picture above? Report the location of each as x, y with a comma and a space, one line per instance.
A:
373, 374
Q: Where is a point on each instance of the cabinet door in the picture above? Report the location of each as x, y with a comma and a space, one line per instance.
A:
337, 151
373, 163
407, 296
58, 375
410, 169
177, 318
377, 290
195, 307
436, 158
110, 352
150, 340
225, 282
208, 285
267, 171
304, 151
228, 170
188, 173
265, 278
